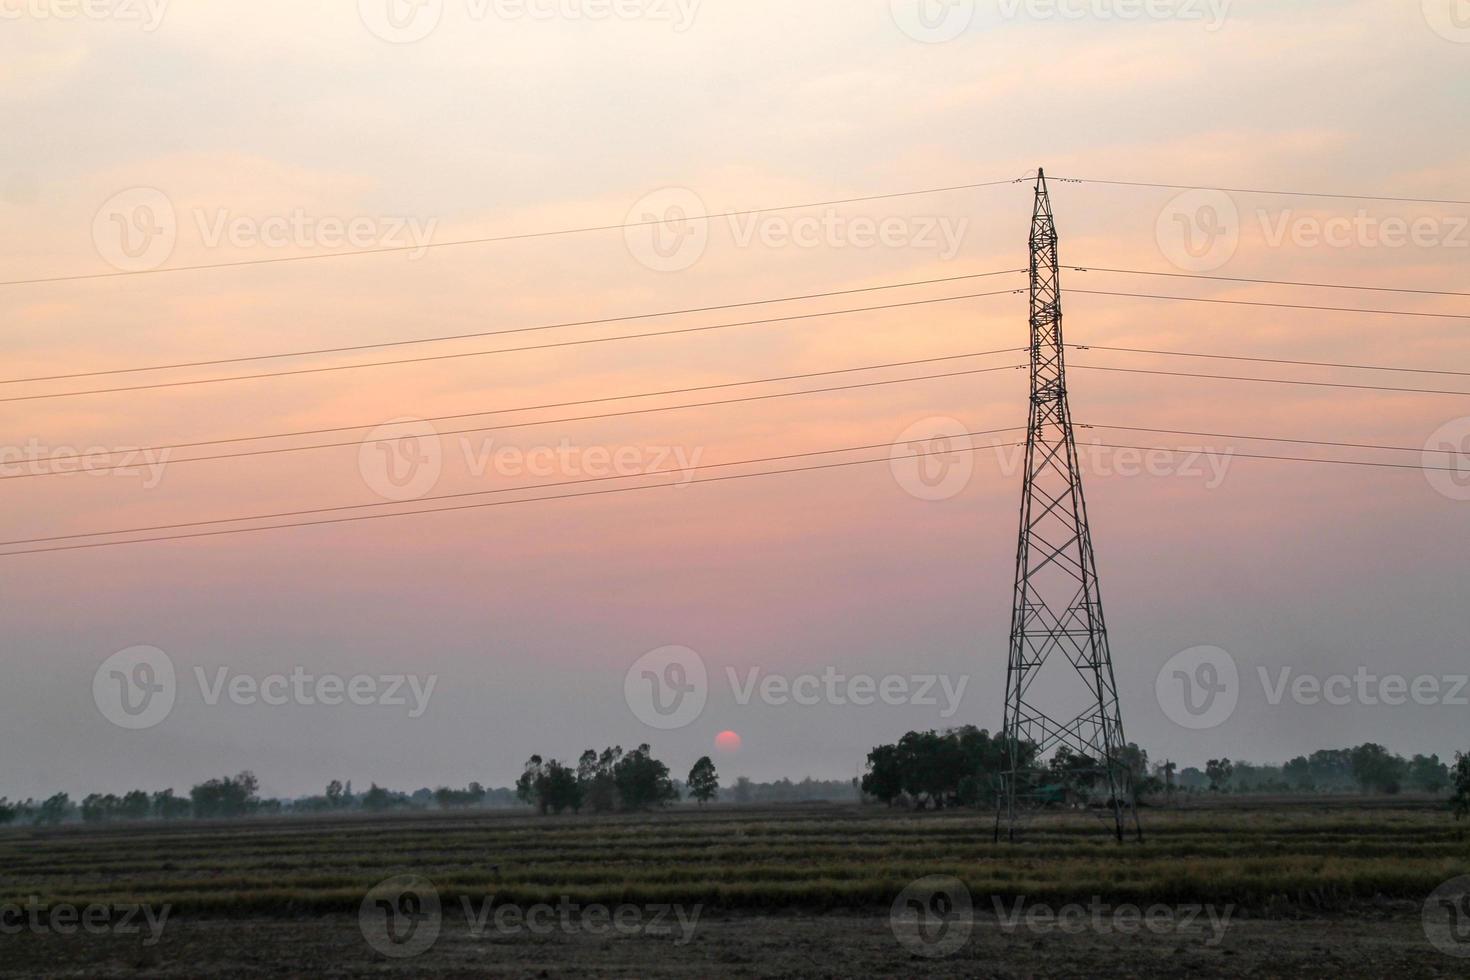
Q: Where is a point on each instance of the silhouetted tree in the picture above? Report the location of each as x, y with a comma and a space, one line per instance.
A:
1376, 769
884, 779
642, 780
1426, 772
231, 796
561, 791
704, 781
1460, 787
595, 778
1219, 771
53, 810
166, 806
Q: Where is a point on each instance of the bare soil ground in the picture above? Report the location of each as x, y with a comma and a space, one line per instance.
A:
1390, 943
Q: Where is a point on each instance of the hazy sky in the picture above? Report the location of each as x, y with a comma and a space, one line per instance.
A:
187, 133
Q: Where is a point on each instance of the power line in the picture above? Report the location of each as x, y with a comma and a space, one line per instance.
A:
492, 503
1268, 360
518, 425
497, 333
522, 236
1283, 306
717, 479
1276, 381
1256, 190
507, 350
1271, 282
1302, 442
81, 458
481, 493
1291, 459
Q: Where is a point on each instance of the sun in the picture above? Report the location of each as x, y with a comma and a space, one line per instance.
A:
728, 741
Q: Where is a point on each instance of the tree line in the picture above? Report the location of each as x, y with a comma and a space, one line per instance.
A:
611, 780
1368, 768
963, 767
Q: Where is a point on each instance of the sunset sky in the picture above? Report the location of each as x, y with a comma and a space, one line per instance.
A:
277, 115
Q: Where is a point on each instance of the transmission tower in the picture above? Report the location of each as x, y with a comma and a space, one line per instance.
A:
1057, 611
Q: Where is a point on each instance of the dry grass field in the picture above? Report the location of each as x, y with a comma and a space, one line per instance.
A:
1326, 888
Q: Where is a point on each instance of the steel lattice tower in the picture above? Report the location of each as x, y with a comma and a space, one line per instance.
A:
1057, 610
